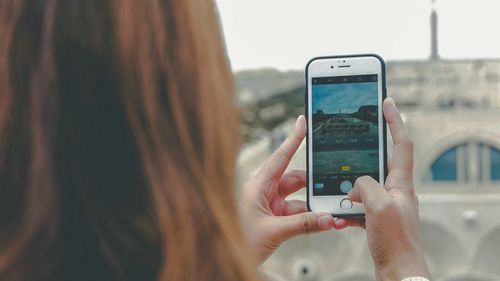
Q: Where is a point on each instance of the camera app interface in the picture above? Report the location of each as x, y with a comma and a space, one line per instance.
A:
345, 137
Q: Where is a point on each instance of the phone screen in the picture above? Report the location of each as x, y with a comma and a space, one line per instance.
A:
345, 132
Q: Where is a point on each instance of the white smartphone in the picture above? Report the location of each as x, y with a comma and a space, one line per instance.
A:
346, 135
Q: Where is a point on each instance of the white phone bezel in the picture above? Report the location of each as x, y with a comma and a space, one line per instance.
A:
329, 67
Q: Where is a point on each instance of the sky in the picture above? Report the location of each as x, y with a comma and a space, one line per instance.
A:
285, 34
347, 97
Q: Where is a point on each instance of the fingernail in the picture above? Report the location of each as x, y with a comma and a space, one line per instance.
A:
341, 224
394, 103
391, 100
324, 222
296, 123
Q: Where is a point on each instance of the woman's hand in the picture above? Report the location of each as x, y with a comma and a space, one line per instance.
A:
269, 219
392, 218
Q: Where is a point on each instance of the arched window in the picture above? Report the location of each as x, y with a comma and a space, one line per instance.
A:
474, 161
494, 164
445, 167
489, 160
450, 165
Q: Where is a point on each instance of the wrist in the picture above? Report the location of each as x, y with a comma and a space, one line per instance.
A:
403, 268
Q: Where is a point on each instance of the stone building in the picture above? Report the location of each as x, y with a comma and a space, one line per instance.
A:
452, 111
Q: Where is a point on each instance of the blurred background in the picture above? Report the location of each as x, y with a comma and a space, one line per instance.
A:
443, 71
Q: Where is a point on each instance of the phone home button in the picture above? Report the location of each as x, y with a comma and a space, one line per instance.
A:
345, 204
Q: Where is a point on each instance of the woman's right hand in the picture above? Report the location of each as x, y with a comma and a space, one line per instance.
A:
392, 216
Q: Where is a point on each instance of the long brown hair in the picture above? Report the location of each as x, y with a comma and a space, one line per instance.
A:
118, 136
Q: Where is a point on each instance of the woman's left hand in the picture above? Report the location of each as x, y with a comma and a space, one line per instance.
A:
268, 218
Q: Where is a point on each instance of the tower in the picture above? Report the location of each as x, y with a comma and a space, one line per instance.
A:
434, 33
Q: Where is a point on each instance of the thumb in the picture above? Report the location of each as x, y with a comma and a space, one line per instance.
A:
303, 223
367, 191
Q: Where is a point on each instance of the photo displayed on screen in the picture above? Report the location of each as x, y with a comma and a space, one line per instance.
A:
345, 135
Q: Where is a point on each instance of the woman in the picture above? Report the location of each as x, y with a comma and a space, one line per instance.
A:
118, 138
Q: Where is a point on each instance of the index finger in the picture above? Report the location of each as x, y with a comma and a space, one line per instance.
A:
276, 165
395, 122
403, 146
